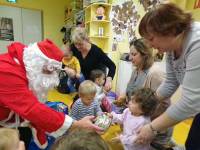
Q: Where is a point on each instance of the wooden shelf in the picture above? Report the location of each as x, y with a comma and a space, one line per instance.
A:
98, 21
99, 31
97, 4
97, 36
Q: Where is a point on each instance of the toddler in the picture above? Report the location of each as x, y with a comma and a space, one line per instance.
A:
98, 77
70, 61
86, 105
140, 107
10, 140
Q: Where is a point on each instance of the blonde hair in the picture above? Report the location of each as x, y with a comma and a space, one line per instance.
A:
8, 137
87, 87
79, 34
81, 139
145, 51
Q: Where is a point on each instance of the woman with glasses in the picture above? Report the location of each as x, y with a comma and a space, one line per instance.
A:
91, 56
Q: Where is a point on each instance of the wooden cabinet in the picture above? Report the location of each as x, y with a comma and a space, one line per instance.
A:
99, 30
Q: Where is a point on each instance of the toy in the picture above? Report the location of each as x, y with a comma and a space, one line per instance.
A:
100, 13
103, 121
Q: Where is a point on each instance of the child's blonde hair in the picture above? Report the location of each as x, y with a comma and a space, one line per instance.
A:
87, 87
8, 137
81, 139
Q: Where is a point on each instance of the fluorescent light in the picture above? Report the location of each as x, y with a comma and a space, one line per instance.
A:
12, 1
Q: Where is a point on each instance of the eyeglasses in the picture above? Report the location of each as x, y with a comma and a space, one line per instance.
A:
79, 44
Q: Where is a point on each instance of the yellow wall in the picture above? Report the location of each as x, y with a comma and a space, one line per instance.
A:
188, 5
53, 15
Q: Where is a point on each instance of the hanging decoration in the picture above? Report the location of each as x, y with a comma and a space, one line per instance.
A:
124, 18
149, 4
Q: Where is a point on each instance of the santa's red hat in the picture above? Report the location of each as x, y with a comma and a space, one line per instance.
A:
50, 50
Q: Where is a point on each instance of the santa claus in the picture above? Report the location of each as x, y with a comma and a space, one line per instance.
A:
26, 75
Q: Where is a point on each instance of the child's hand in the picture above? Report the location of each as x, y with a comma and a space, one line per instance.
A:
116, 139
100, 132
109, 115
105, 92
71, 72
78, 75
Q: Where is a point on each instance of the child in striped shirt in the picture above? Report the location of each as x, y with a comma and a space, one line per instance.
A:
86, 105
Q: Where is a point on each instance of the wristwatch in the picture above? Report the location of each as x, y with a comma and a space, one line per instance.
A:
155, 132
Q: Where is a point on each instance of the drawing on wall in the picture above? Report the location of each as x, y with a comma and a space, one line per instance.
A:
6, 29
124, 18
149, 4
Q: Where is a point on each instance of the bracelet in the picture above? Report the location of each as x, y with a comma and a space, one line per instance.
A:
109, 79
155, 132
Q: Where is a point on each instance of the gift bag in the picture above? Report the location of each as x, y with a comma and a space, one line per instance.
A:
63, 86
105, 105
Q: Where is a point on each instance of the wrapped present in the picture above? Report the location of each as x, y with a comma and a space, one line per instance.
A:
103, 121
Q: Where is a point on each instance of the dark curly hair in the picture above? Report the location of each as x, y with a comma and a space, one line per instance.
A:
146, 99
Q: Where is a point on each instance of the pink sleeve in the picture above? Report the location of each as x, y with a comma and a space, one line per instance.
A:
118, 118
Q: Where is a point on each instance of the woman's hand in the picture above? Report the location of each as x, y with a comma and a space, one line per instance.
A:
108, 84
145, 135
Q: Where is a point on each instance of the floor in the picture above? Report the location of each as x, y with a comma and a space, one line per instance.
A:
179, 135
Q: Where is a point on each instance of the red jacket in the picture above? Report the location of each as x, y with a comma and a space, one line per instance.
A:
16, 96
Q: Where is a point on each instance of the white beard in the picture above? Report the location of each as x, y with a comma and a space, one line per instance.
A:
39, 82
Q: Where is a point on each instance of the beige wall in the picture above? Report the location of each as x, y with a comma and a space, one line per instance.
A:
53, 15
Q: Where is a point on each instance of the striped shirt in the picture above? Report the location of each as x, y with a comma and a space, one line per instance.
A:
80, 110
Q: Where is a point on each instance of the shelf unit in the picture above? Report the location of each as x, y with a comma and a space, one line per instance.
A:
99, 31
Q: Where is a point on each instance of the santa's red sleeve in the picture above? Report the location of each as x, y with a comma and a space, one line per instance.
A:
16, 96
26, 105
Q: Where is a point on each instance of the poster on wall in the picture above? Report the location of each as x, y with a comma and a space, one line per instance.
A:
6, 29
197, 4
124, 18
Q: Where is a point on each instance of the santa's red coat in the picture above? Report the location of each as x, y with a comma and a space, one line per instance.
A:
16, 96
